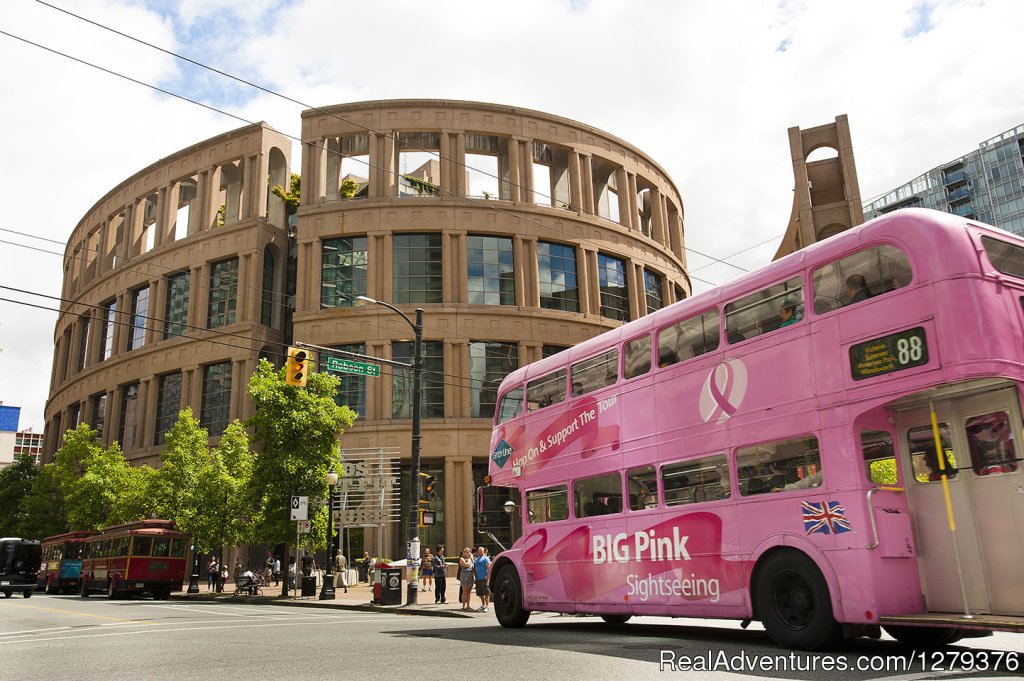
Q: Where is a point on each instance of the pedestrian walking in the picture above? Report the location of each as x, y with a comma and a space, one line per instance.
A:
224, 574
481, 567
268, 568
277, 571
308, 564
239, 569
364, 567
427, 572
292, 573
440, 582
466, 577
341, 571
212, 574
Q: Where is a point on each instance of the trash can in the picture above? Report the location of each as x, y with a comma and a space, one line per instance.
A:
309, 586
391, 586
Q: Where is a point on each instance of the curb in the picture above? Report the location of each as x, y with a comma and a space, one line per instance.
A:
322, 605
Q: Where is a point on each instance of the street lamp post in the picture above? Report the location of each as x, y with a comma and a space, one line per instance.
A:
414, 488
193, 581
327, 590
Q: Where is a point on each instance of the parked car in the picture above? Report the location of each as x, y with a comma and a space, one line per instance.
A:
19, 565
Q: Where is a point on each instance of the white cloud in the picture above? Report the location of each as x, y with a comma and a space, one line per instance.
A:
702, 86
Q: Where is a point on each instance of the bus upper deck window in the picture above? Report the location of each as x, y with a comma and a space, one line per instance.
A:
546, 390
689, 338
868, 274
636, 357
594, 373
769, 309
1007, 258
511, 403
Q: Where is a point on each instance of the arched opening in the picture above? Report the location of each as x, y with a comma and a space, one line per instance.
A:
821, 153
230, 197
277, 174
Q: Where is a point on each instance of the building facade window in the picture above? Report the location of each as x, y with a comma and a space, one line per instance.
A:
556, 266
351, 391
216, 407
267, 299
168, 404
417, 268
109, 314
223, 293
492, 279
85, 322
176, 313
99, 411
129, 417
547, 350
343, 271
652, 291
74, 415
432, 395
140, 311
489, 363
611, 278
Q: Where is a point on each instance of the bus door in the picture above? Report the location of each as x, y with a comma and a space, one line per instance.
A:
979, 434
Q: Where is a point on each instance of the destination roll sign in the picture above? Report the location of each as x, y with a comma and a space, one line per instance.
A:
895, 352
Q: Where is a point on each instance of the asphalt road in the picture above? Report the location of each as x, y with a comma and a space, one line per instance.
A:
66, 637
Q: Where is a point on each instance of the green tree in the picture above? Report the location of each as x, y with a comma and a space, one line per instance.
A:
99, 487
15, 487
183, 462
226, 517
348, 189
44, 506
297, 431
290, 197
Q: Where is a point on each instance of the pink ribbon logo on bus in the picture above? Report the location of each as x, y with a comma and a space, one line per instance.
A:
723, 391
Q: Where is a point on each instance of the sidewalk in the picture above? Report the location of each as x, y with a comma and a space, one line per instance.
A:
358, 598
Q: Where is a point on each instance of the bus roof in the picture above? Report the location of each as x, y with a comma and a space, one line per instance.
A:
928, 230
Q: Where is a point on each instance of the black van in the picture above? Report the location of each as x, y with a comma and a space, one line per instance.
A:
19, 565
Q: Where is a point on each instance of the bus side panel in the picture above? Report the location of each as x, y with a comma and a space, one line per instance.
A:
548, 566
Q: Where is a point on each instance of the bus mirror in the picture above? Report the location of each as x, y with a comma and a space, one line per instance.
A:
510, 507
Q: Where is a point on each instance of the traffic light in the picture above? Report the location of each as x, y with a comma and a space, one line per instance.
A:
297, 369
427, 491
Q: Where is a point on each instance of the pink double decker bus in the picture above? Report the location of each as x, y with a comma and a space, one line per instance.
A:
828, 446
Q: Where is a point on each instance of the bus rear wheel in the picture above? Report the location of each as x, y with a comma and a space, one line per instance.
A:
791, 599
113, 593
51, 588
923, 638
83, 590
508, 599
616, 619
7, 594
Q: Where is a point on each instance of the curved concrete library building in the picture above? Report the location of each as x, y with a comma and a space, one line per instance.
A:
519, 233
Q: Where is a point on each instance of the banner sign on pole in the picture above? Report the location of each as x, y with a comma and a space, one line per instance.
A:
300, 508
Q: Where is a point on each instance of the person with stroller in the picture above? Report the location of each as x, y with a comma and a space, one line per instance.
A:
247, 583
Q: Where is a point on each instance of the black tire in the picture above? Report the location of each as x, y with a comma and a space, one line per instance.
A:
112, 591
161, 595
27, 593
83, 590
923, 638
7, 594
508, 599
616, 619
791, 599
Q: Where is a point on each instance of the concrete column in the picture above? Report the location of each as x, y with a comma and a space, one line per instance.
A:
249, 206
677, 241
589, 204
122, 318
622, 187
451, 500
305, 293
237, 388
388, 166
318, 184
520, 256
456, 399
634, 209
459, 269
636, 288
244, 293
461, 185
112, 415
70, 344
514, 164
157, 305
187, 375
148, 394
525, 168
195, 390
657, 216
210, 183
575, 180
595, 282
583, 277
449, 268
387, 268
199, 296
375, 388
447, 165
532, 277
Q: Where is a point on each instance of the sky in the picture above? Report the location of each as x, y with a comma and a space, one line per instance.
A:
707, 88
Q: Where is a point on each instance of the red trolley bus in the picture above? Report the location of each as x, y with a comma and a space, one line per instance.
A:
146, 556
62, 561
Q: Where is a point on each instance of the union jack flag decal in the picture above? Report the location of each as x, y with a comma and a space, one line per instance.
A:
827, 517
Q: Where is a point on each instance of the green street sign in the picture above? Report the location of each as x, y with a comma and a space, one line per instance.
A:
348, 366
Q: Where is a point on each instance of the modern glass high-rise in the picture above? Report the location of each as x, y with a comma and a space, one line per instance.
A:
986, 184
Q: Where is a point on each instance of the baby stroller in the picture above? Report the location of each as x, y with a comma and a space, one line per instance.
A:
249, 586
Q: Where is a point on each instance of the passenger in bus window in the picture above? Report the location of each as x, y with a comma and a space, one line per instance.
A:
788, 312
856, 289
